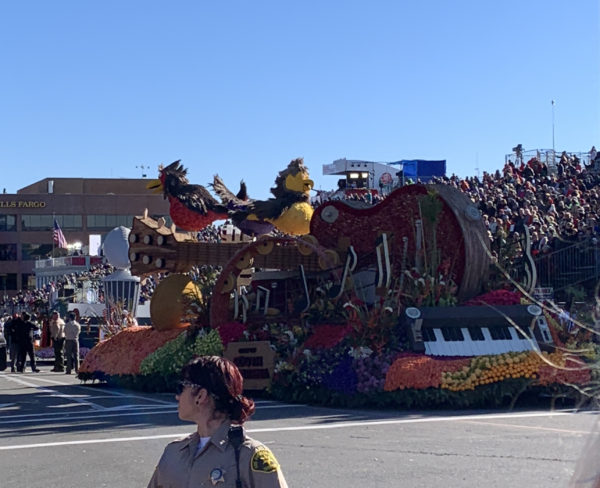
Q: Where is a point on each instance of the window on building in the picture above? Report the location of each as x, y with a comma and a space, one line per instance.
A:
30, 252
70, 222
36, 222
109, 221
8, 252
46, 222
8, 282
27, 281
8, 223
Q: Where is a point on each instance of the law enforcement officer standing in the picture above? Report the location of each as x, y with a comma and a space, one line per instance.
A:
218, 453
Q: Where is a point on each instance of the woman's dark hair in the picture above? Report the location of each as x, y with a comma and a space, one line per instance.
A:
223, 380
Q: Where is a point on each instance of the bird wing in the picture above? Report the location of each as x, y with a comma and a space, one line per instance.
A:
198, 199
273, 207
227, 196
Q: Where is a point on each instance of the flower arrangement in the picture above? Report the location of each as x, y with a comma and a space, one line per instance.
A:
373, 327
124, 352
421, 289
371, 371
343, 378
496, 297
326, 336
482, 370
172, 356
319, 367
419, 371
231, 332
564, 369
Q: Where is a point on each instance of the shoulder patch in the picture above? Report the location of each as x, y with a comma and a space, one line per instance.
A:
263, 461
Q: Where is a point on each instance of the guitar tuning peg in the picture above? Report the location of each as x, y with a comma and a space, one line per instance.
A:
173, 228
161, 222
145, 213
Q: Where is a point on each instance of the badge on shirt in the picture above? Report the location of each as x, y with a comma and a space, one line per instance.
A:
216, 476
263, 461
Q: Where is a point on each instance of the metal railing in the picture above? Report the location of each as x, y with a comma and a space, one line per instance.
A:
548, 156
575, 263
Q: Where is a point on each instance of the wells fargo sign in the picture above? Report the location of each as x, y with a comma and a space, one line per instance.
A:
22, 204
255, 361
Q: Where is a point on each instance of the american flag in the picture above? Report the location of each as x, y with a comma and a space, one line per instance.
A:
58, 237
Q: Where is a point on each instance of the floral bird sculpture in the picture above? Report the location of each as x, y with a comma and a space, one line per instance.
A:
290, 211
192, 207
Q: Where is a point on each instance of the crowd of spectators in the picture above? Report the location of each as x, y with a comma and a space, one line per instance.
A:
558, 207
360, 197
212, 233
30, 300
148, 285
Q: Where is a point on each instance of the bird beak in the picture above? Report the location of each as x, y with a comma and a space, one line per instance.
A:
155, 185
308, 185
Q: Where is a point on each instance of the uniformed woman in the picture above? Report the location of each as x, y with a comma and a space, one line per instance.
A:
218, 454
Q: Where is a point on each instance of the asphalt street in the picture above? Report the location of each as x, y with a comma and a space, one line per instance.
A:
55, 431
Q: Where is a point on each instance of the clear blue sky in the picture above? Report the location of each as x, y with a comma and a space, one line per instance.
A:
94, 89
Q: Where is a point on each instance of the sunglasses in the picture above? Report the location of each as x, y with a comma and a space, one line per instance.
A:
181, 385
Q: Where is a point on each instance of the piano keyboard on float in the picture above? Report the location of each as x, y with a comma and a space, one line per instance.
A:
474, 341
477, 330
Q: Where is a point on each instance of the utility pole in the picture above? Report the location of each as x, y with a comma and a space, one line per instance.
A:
553, 148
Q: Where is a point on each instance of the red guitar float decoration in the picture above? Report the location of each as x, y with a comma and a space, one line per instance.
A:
337, 230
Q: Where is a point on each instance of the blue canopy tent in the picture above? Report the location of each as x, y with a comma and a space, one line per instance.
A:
421, 169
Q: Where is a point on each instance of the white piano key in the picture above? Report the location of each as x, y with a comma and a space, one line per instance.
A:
489, 345
468, 345
479, 347
430, 346
520, 343
438, 346
452, 347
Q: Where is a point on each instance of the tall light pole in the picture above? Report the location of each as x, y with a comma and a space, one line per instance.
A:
553, 150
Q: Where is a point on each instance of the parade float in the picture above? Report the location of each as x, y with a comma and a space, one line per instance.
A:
351, 304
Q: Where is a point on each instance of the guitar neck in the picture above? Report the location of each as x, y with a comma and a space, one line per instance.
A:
203, 253
154, 249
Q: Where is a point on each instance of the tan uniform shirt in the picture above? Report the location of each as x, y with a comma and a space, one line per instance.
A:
214, 465
57, 328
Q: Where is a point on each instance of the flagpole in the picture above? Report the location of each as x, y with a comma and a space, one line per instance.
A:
53, 220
